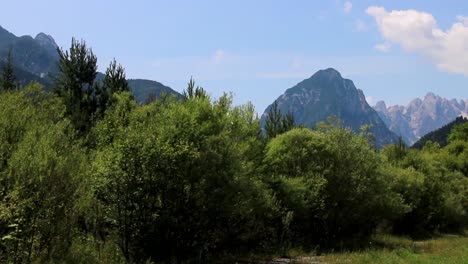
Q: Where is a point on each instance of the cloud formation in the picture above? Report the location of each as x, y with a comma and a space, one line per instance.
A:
418, 32
347, 7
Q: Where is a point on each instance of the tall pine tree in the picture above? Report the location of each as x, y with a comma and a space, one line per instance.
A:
114, 82
277, 123
8, 81
75, 82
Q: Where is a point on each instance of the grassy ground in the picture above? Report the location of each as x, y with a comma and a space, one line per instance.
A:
390, 249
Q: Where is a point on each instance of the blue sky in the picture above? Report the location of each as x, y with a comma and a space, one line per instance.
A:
393, 50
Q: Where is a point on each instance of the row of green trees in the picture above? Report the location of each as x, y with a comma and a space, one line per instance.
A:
89, 176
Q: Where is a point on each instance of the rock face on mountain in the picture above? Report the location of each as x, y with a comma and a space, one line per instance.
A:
35, 55
35, 58
420, 116
327, 94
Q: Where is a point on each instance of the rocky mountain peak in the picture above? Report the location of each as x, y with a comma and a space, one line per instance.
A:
421, 116
330, 74
328, 94
381, 106
46, 40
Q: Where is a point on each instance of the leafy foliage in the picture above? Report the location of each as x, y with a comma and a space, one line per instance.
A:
38, 208
87, 180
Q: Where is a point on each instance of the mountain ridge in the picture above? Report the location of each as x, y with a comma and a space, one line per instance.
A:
326, 93
34, 58
421, 116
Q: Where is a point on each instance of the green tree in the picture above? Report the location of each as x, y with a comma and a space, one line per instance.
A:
176, 180
38, 197
395, 152
114, 82
194, 92
75, 82
8, 79
459, 132
341, 170
277, 123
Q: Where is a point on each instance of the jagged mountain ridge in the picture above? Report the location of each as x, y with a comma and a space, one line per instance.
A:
421, 116
327, 94
35, 58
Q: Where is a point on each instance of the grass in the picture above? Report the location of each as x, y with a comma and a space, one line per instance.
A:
391, 249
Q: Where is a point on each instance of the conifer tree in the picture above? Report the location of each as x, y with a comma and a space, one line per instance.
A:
194, 92
277, 123
114, 82
8, 81
75, 82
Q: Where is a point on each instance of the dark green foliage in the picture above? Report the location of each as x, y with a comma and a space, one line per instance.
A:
277, 123
194, 181
114, 80
459, 132
87, 175
395, 152
8, 78
40, 178
433, 183
173, 179
75, 82
194, 92
441, 135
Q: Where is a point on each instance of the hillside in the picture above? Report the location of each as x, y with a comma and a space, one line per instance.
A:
35, 58
440, 135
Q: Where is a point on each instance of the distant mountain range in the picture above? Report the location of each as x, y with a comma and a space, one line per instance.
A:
420, 116
35, 58
327, 94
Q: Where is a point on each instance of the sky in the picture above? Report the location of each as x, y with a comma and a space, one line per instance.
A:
393, 50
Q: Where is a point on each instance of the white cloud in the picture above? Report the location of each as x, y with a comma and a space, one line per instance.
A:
360, 26
347, 7
370, 100
383, 47
418, 32
219, 56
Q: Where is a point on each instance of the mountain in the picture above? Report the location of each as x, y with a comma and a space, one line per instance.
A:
35, 58
440, 135
34, 55
420, 116
24, 77
327, 94
144, 89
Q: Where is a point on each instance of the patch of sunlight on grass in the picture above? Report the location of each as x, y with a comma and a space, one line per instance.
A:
394, 250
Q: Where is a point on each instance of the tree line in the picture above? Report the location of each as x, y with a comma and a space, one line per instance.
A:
87, 175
